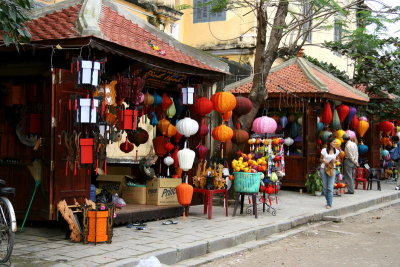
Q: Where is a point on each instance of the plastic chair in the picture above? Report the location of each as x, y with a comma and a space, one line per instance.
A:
375, 174
361, 175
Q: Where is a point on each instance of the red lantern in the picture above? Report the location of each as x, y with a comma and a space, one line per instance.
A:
326, 116
202, 152
203, 106
386, 126
166, 102
243, 106
343, 111
184, 193
222, 133
203, 131
178, 137
87, 150
269, 190
354, 123
175, 157
126, 146
138, 137
169, 146
159, 145
262, 188
223, 102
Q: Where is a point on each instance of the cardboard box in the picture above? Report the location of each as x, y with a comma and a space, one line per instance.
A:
113, 183
134, 194
161, 191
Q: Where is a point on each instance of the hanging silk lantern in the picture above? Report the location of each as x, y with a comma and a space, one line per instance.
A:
184, 193
384, 153
363, 118
284, 121
398, 134
186, 158
222, 133
154, 120
168, 161
228, 148
163, 126
169, 147
243, 106
148, 99
139, 99
126, 146
351, 134
385, 141
157, 99
343, 111
203, 106
166, 101
202, 152
338, 142
362, 149
240, 136
320, 126
354, 123
159, 145
362, 128
350, 116
324, 135
175, 157
300, 120
227, 115
171, 111
264, 124
288, 141
386, 126
171, 131
335, 121
319, 141
187, 127
339, 134
138, 137
223, 102
326, 116
203, 131
178, 137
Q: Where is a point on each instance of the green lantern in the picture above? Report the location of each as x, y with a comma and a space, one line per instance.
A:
335, 121
324, 135
171, 111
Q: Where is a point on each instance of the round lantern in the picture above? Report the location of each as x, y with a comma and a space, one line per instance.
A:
338, 142
203, 106
157, 99
148, 99
202, 152
274, 177
363, 118
168, 161
159, 145
223, 101
184, 193
171, 111
320, 126
186, 158
354, 123
171, 131
243, 106
386, 126
284, 121
178, 137
351, 134
335, 121
126, 146
166, 101
339, 134
288, 141
362, 127
187, 127
362, 149
240, 136
139, 136
326, 116
398, 134
163, 126
294, 130
269, 190
227, 115
384, 153
300, 120
350, 116
222, 133
203, 131
324, 135
169, 146
343, 111
264, 124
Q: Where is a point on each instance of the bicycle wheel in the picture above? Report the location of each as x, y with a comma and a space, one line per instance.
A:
7, 236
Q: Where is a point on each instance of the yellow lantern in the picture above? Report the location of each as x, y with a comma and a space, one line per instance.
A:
339, 135
362, 128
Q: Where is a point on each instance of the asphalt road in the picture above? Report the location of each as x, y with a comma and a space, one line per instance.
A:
369, 239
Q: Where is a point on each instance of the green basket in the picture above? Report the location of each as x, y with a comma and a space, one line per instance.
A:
247, 182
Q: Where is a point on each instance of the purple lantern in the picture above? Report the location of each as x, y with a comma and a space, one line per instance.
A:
264, 124
350, 116
202, 152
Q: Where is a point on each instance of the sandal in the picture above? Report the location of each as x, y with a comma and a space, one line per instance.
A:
168, 222
138, 224
328, 207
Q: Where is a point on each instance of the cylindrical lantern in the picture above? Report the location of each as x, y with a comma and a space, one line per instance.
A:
187, 127
342, 111
223, 101
243, 106
222, 133
203, 106
326, 116
264, 124
186, 158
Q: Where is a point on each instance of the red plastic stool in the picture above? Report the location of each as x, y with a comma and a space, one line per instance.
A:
208, 199
361, 175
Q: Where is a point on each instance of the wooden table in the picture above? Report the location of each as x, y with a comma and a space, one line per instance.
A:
208, 199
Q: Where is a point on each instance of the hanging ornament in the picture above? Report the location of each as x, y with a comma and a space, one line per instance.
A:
350, 116
186, 158
284, 121
264, 124
184, 192
203, 131
126, 146
362, 149
166, 102
171, 131
240, 136
203, 106
227, 115
288, 141
294, 129
343, 111
171, 111
326, 116
175, 157
335, 121
168, 161
169, 147
292, 117
187, 127
222, 133
324, 135
363, 118
386, 126
223, 102
243, 106
178, 137
157, 99
148, 99
351, 134
154, 120
354, 123
159, 145
320, 126
163, 126
339, 134
202, 152
178, 106
300, 120
362, 127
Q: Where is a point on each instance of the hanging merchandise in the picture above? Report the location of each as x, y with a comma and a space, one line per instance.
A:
292, 118
126, 146
157, 99
168, 161
86, 147
203, 106
300, 120
108, 92
184, 192
187, 95
227, 115
175, 157
154, 120
294, 130
169, 147
222, 133
186, 158
171, 111
243, 106
386, 127
202, 152
326, 116
284, 121
177, 137
240, 136
350, 116
223, 102
178, 106
127, 119
166, 102
171, 131
362, 127
264, 124
163, 126
335, 121
138, 137
86, 112
339, 135
363, 118
362, 149
87, 72
187, 127
324, 135
159, 145
148, 99
343, 111
203, 131
354, 123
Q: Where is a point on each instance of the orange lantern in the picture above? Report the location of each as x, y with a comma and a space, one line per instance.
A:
159, 145
148, 99
223, 101
184, 193
226, 116
362, 128
163, 126
171, 130
222, 133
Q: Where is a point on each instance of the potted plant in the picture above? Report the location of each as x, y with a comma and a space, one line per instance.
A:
314, 183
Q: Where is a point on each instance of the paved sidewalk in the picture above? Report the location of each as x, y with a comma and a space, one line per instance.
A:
191, 238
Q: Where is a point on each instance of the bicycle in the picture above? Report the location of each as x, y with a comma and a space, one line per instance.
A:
8, 223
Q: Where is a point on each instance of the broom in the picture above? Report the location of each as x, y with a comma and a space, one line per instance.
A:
35, 168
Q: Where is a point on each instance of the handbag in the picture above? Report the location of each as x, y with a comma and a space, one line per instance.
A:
330, 169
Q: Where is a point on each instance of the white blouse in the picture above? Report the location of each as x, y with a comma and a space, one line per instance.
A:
328, 157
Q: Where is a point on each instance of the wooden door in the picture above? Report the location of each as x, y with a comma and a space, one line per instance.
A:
67, 185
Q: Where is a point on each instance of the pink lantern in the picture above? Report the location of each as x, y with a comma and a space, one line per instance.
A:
363, 118
202, 152
203, 131
351, 134
264, 125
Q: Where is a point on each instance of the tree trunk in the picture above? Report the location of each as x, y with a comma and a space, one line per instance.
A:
264, 57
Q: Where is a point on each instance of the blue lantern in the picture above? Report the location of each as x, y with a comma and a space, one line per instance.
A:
362, 149
320, 126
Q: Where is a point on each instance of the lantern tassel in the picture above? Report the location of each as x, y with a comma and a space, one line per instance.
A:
75, 167
105, 167
66, 168
168, 171
137, 154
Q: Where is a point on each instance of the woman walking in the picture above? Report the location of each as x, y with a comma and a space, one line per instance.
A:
329, 157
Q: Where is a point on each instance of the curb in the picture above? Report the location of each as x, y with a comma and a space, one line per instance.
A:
213, 249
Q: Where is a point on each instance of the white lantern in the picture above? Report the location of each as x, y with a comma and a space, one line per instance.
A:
89, 73
168, 161
186, 158
288, 141
187, 96
187, 127
87, 112
300, 120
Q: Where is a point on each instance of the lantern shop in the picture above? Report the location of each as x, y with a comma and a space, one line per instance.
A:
308, 105
86, 101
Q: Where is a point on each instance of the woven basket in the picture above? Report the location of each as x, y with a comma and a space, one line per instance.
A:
247, 182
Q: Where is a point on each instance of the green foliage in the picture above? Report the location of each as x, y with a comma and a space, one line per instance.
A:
12, 19
313, 182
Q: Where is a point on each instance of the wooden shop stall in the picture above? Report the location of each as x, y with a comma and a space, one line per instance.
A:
298, 95
81, 102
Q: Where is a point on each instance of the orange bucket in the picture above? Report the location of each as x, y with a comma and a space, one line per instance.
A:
97, 226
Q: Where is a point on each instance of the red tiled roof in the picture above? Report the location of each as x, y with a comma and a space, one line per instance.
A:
381, 95
57, 25
122, 31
